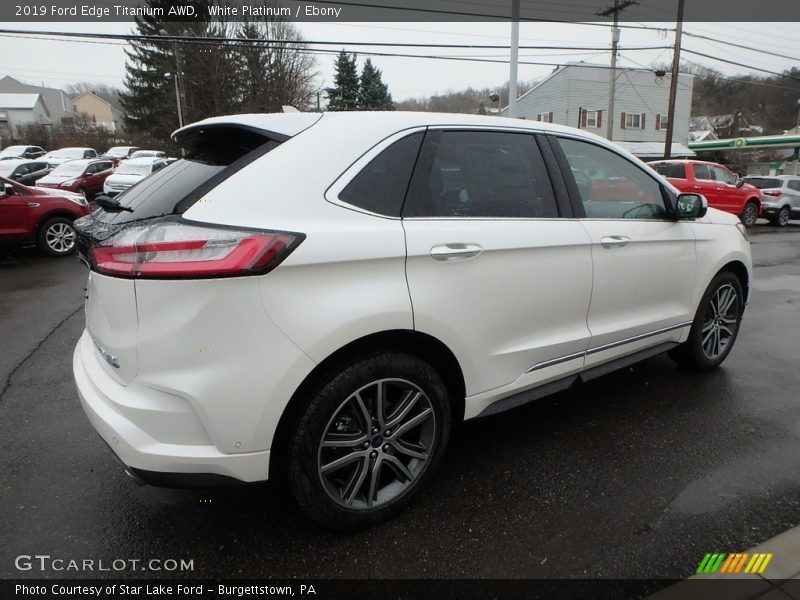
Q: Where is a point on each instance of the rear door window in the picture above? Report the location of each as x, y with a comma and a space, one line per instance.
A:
480, 174
673, 170
764, 183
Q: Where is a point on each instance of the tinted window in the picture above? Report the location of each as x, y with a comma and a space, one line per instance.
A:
612, 187
723, 175
794, 185
480, 174
763, 183
703, 172
381, 186
674, 170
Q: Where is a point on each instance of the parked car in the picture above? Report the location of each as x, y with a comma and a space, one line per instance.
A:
27, 172
780, 197
84, 177
40, 216
119, 153
149, 154
130, 172
333, 325
21, 152
722, 189
57, 157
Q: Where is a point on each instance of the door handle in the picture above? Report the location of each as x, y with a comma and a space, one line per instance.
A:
455, 251
614, 241
33, 204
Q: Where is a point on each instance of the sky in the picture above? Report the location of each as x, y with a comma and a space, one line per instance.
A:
57, 63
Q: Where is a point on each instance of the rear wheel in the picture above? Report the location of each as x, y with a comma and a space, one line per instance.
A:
57, 237
368, 439
715, 326
782, 218
750, 214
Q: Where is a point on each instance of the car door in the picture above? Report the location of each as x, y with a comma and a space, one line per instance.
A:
706, 184
731, 197
15, 212
643, 260
793, 191
494, 269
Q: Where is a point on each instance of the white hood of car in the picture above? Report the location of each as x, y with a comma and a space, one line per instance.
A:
59, 193
123, 179
720, 217
56, 178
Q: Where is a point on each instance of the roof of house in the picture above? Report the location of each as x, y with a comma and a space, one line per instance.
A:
54, 99
19, 100
654, 149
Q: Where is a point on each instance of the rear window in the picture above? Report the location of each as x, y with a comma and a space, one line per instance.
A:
764, 183
211, 155
674, 170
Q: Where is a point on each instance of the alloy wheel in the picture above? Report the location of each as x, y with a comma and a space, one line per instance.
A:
750, 215
721, 321
783, 217
376, 444
60, 237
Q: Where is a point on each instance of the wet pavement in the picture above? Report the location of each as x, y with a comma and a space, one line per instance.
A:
634, 475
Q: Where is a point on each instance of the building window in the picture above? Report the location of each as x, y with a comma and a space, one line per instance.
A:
545, 117
632, 121
593, 118
662, 121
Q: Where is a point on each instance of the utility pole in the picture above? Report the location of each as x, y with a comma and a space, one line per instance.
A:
512, 83
180, 90
612, 74
673, 84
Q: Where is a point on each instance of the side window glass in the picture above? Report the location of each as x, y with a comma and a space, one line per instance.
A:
794, 185
723, 175
612, 187
703, 172
91, 169
381, 186
480, 174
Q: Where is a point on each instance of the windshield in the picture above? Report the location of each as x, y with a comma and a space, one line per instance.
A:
69, 168
128, 169
763, 183
12, 151
66, 153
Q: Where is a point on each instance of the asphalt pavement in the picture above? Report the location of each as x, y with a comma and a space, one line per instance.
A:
634, 475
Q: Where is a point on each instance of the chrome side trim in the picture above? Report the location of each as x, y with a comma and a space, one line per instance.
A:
556, 361
636, 338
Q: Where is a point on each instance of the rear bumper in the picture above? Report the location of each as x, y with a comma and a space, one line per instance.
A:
177, 465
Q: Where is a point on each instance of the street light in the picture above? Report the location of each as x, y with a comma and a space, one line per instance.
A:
177, 96
176, 76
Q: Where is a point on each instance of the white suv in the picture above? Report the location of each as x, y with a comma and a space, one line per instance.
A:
325, 297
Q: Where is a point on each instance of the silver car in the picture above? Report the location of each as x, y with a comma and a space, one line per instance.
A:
780, 197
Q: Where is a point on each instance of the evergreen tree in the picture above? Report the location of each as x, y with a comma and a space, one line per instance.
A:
344, 95
373, 93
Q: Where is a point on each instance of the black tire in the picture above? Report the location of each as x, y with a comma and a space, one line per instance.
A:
333, 414
694, 353
56, 237
750, 214
782, 218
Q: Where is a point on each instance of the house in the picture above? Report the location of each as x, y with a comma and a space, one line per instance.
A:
577, 95
17, 110
732, 125
99, 111
55, 100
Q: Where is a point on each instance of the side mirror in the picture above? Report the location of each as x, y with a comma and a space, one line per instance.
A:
739, 182
8, 189
691, 206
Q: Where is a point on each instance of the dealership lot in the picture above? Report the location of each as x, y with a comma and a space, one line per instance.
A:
636, 474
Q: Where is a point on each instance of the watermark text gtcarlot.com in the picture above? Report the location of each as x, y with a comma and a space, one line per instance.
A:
46, 562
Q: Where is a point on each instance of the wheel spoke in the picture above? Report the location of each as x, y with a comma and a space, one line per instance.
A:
409, 425
401, 412
709, 335
344, 440
364, 412
374, 476
341, 461
398, 467
379, 400
356, 482
409, 449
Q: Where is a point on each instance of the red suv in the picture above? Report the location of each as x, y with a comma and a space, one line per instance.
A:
84, 176
43, 216
722, 189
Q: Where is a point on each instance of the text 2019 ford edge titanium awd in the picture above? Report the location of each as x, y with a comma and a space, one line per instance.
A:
325, 297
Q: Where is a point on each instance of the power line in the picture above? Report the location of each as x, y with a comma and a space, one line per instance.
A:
744, 66
741, 46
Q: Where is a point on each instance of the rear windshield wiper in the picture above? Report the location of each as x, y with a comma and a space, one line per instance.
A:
108, 204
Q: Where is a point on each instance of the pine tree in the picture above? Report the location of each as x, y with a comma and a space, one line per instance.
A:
344, 95
373, 93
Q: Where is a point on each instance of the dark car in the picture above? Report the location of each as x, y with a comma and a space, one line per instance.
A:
21, 152
85, 177
27, 172
44, 217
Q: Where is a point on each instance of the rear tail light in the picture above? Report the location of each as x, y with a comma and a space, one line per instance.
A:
178, 250
773, 193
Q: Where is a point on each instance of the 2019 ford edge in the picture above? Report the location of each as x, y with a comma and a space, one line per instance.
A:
324, 297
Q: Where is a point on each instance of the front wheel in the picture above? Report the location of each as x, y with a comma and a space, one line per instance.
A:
750, 214
57, 237
368, 439
715, 326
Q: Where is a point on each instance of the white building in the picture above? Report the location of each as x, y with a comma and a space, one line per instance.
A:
577, 95
21, 109
58, 105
